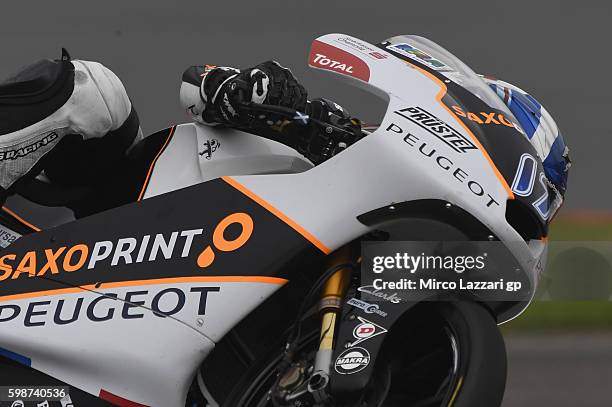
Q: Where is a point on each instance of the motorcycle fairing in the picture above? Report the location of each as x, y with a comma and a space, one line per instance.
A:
490, 127
100, 328
198, 153
500, 149
400, 161
498, 133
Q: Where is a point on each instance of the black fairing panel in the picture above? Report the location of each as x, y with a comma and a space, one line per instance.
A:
426, 220
272, 249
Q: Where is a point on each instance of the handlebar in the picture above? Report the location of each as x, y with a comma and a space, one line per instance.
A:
297, 117
330, 138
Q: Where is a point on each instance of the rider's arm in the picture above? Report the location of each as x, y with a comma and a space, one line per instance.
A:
87, 125
103, 127
217, 95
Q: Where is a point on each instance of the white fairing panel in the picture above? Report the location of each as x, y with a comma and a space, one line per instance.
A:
198, 153
115, 340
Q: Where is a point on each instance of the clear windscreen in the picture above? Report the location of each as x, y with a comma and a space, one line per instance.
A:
438, 58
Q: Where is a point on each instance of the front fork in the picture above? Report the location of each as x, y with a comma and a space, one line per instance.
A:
314, 390
330, 305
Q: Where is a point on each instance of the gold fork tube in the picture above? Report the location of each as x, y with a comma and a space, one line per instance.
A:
330, 304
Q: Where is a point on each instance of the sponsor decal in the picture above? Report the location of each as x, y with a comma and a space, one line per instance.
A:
366, 307
128, 250
484, 118
446, 164
125, 251
334, 59
366, 330
321, 59
210, 146
352, 360
7, 236
21, 152
438, 128
378, 55
362, 47
105, 307
207, 256
416, 54
371, 290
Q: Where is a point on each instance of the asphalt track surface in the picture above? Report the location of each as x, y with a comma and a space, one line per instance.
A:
560, 51
559, 370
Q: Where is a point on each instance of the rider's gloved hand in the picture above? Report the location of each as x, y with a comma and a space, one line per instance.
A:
224, 91
328, 111
318, 145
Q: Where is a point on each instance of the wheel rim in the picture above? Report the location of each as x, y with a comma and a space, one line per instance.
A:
428, 378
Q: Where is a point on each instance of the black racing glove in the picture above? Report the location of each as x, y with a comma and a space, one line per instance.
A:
320, 145
226, 90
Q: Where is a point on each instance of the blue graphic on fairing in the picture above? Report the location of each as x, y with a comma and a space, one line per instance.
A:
528, 111
555, 164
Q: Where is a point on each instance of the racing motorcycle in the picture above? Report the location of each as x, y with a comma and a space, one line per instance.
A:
234, 279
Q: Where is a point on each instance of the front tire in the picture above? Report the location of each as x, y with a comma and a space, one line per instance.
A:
439, 354
484, 356
456, 346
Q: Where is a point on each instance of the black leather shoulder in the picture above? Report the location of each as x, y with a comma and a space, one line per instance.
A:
34, 93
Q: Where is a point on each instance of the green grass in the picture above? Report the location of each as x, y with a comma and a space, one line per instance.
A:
581, 228
545, 316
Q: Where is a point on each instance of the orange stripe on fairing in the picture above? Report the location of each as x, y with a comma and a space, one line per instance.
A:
146, 182
140, 283
278, 214
443, 91
20, 219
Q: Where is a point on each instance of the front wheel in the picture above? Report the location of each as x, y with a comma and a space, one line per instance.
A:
439, 354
